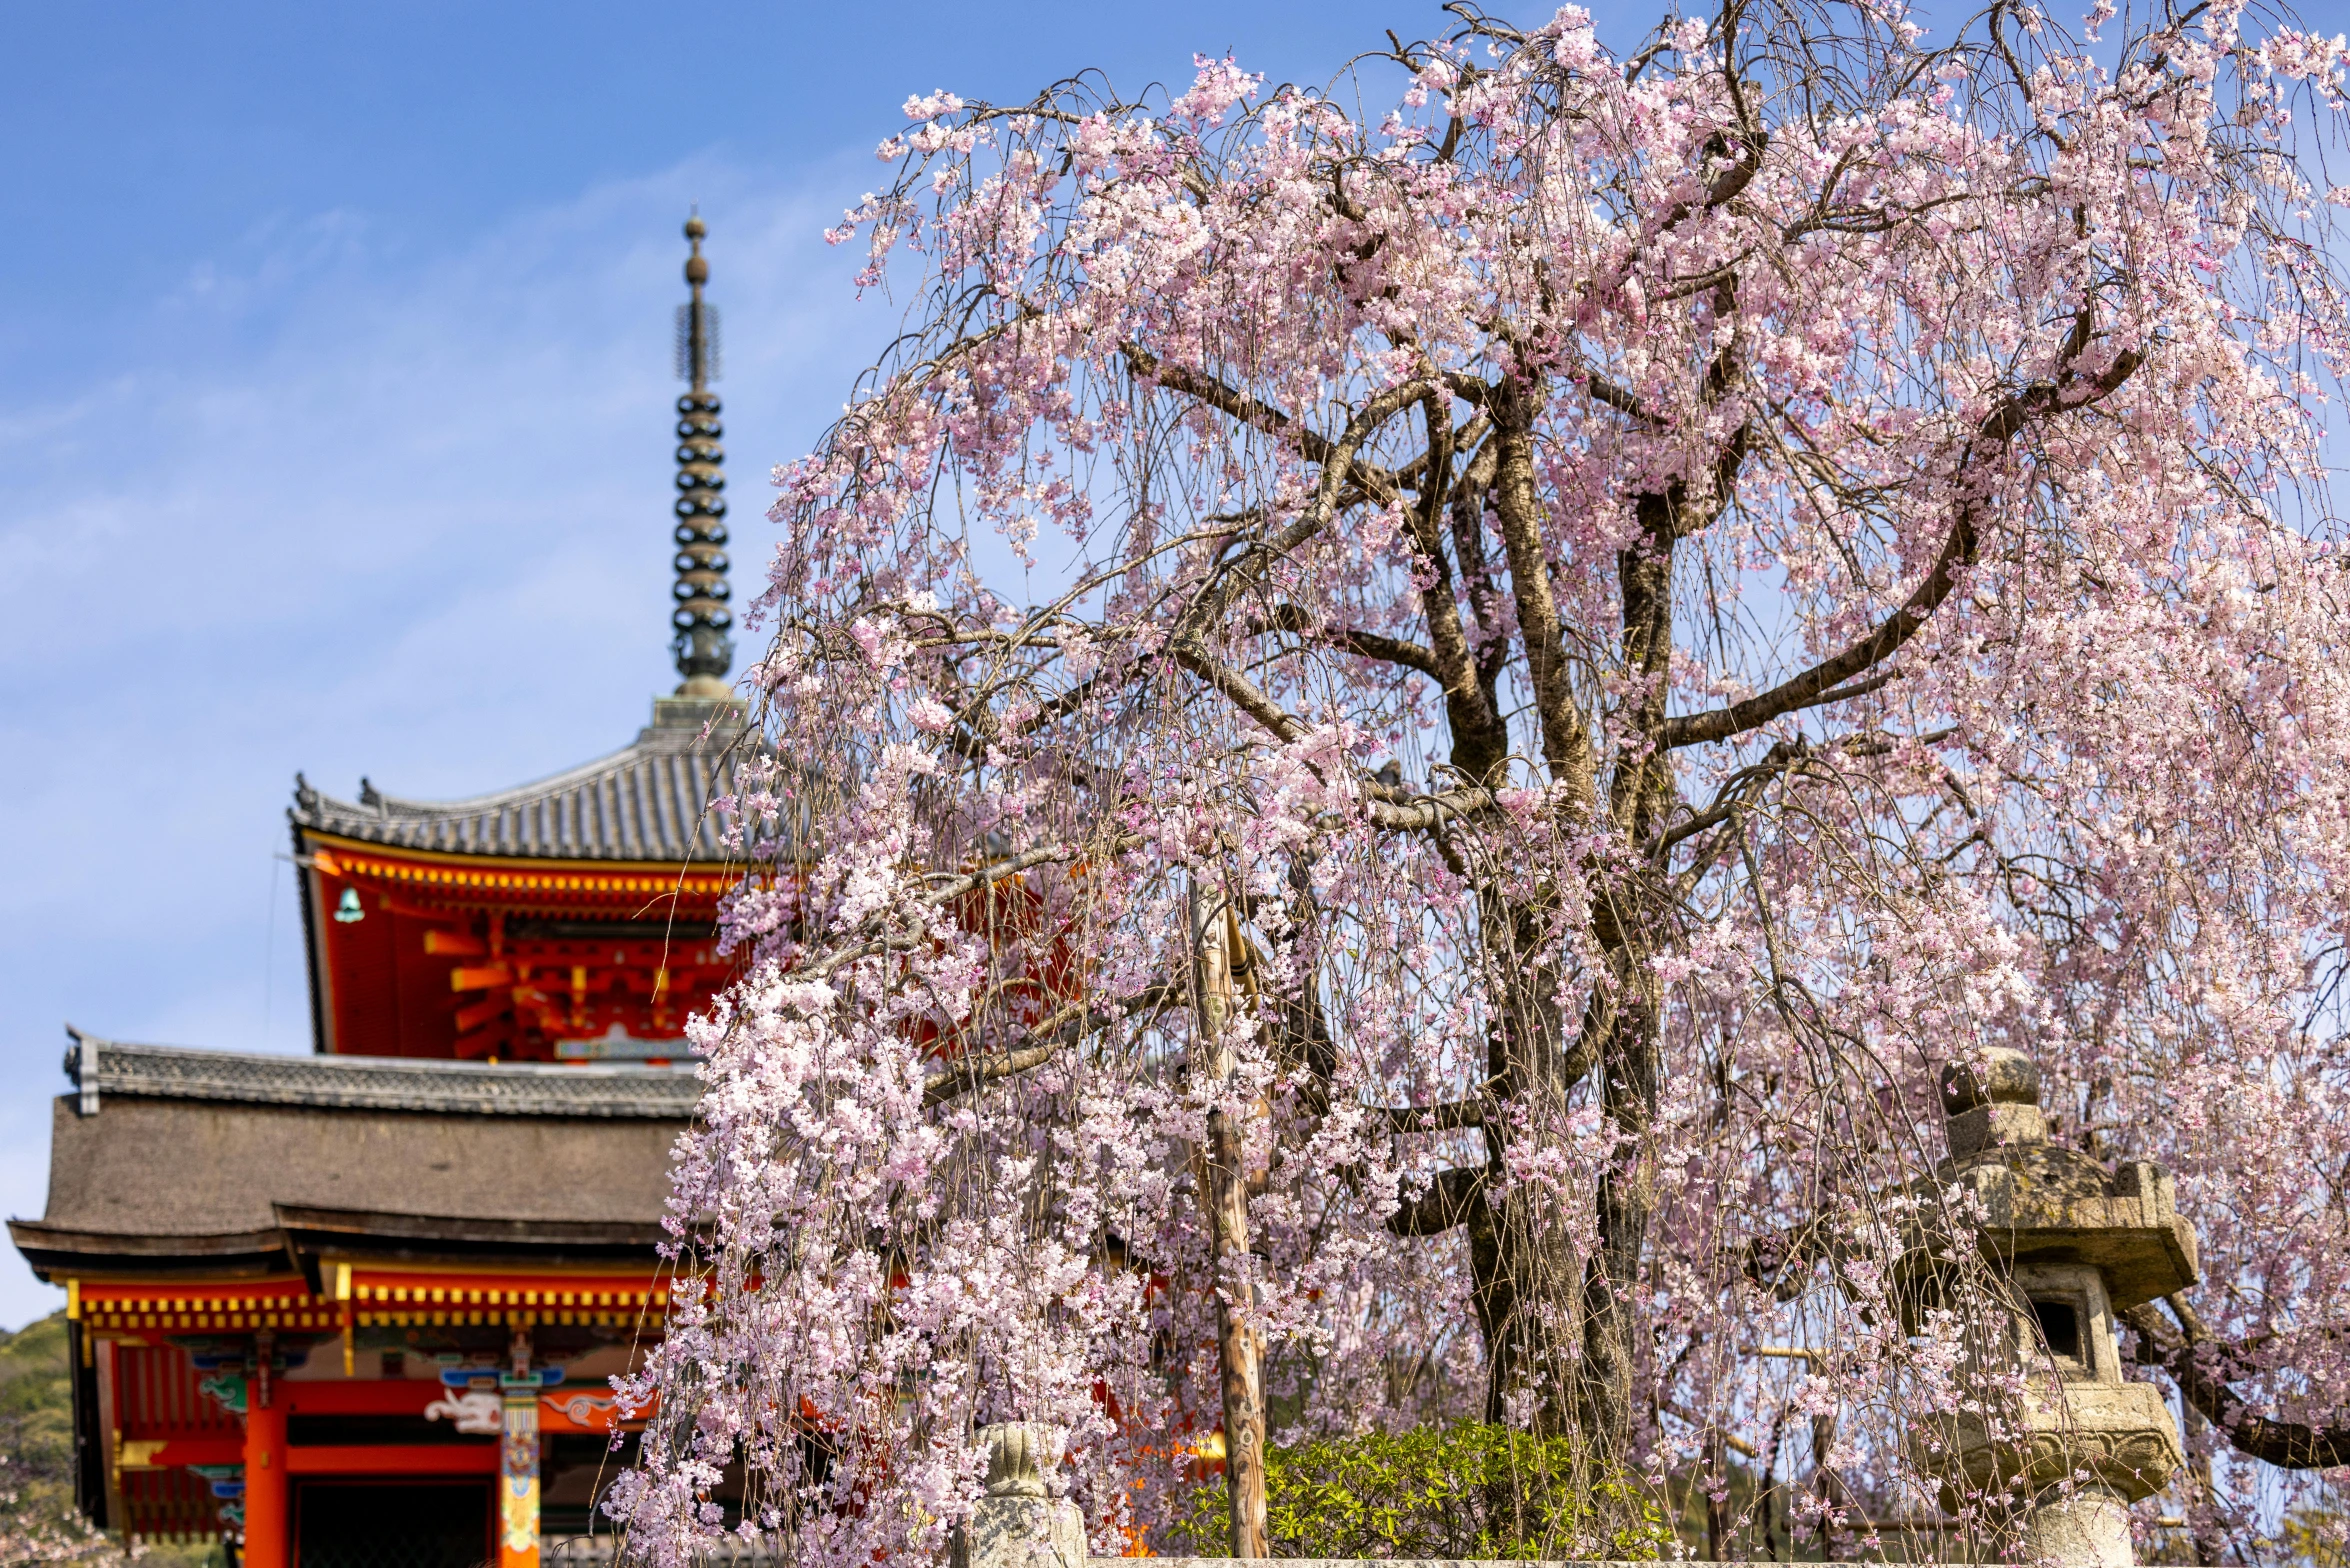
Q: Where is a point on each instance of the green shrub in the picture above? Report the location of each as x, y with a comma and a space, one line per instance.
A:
1468, 1491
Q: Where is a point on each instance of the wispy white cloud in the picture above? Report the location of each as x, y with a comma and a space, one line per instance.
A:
353, 510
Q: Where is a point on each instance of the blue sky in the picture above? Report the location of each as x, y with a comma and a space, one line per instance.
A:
334, 431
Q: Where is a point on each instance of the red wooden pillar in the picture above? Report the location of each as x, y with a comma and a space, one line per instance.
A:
268, 1518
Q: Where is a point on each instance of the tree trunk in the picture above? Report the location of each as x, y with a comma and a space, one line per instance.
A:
1626, 1199
1527, 1277
1630, 924
1225, 1189
1826, 1485
2203, 1521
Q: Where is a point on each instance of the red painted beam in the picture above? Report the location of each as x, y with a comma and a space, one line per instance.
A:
177, 1451
394, 1459
584, 1409
382, 1397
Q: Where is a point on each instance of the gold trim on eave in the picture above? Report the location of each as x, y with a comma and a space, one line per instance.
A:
350, 857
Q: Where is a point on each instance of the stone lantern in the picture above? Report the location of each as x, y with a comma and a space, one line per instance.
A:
2071, 1244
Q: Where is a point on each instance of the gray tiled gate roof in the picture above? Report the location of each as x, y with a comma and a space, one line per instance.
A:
102, 1068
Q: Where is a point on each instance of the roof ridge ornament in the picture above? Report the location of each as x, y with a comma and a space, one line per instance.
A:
701, 619
81, 1065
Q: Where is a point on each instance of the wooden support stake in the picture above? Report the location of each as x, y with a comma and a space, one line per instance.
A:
1240, 1347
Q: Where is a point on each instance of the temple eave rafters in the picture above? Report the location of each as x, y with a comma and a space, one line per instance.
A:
481, 956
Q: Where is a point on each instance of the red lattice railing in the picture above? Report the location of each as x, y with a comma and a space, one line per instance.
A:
169, 1505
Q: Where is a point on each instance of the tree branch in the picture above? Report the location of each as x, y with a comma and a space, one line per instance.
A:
1818, 684
1450, 1117
1257, 415
1054, 1035
1228, 580
938, 893
2198, 1364
1428, 811
1368, 645
1445, 1204
1566, 745
1245, 694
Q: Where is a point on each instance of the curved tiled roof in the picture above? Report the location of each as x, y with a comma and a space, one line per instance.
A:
647, 801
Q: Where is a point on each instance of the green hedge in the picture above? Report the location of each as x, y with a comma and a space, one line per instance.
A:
1468, 1491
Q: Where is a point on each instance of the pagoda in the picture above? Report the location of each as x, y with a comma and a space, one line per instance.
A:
567, 920
361, 1307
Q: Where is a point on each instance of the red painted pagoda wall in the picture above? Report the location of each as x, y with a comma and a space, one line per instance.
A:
464, 956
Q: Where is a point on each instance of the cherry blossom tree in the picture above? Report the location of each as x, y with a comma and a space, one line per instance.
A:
1404, 737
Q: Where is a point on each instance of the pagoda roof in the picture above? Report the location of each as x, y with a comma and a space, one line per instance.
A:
648, 801
186, 1161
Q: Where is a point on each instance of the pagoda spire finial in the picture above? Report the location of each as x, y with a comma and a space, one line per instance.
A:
701, 618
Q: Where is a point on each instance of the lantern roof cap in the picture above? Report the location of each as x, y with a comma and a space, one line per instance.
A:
2041, 1201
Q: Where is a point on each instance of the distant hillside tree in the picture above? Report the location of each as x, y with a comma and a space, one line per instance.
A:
38, 1521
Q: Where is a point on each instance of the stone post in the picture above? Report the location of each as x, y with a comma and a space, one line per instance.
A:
2089, 1525
1018, 1524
